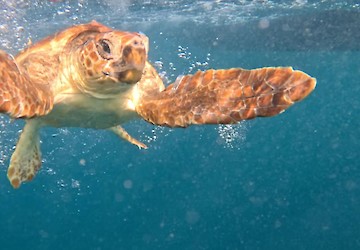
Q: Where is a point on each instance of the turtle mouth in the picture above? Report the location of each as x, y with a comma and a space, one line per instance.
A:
129, 76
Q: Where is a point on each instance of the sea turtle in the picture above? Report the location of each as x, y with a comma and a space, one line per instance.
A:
92, 76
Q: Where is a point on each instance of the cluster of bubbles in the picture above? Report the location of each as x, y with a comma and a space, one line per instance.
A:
4, 148
150, 135
195, 64
20, 18
8, 137
12, 19
215, 12
232, 136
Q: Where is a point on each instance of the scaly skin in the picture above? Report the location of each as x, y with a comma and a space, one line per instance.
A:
226, 96
95, 77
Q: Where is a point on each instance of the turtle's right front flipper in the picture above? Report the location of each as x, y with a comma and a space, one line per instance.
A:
19, 97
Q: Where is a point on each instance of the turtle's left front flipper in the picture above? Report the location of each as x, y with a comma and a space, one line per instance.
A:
26, 160
225, 96
19, 96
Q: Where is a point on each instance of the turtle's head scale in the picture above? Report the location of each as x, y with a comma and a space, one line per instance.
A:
113, 58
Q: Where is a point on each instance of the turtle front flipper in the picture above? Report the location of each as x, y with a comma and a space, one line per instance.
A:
226, 96
26, 160
19, 97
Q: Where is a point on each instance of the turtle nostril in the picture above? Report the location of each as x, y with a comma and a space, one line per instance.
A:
137, 42
127, 50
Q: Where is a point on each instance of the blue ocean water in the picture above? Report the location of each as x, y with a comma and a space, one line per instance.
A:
286, 182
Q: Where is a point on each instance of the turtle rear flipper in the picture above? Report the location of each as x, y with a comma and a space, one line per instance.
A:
19, 97
226, 96
121, 132
26, 160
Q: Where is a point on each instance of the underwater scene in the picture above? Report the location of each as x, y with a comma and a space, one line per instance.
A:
291, 181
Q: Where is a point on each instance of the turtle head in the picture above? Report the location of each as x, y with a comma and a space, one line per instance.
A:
113, 59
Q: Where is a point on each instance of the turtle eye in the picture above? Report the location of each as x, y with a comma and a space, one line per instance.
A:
105, 46
104, 49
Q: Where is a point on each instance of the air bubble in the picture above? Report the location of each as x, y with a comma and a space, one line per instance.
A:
75, 183
128, 184
82, 162
264, 23
158, 64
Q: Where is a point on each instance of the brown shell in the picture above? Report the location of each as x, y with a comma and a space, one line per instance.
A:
26, 81
30, 82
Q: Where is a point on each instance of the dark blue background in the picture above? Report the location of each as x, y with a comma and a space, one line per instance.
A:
287, 182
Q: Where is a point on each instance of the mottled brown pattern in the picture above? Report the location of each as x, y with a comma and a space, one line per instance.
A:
226, 96
19, 97
25, 85
97, 77
26, 172
73, 71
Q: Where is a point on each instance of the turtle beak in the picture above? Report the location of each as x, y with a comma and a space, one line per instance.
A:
129, 66
134, 56
129, 76
135, 52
